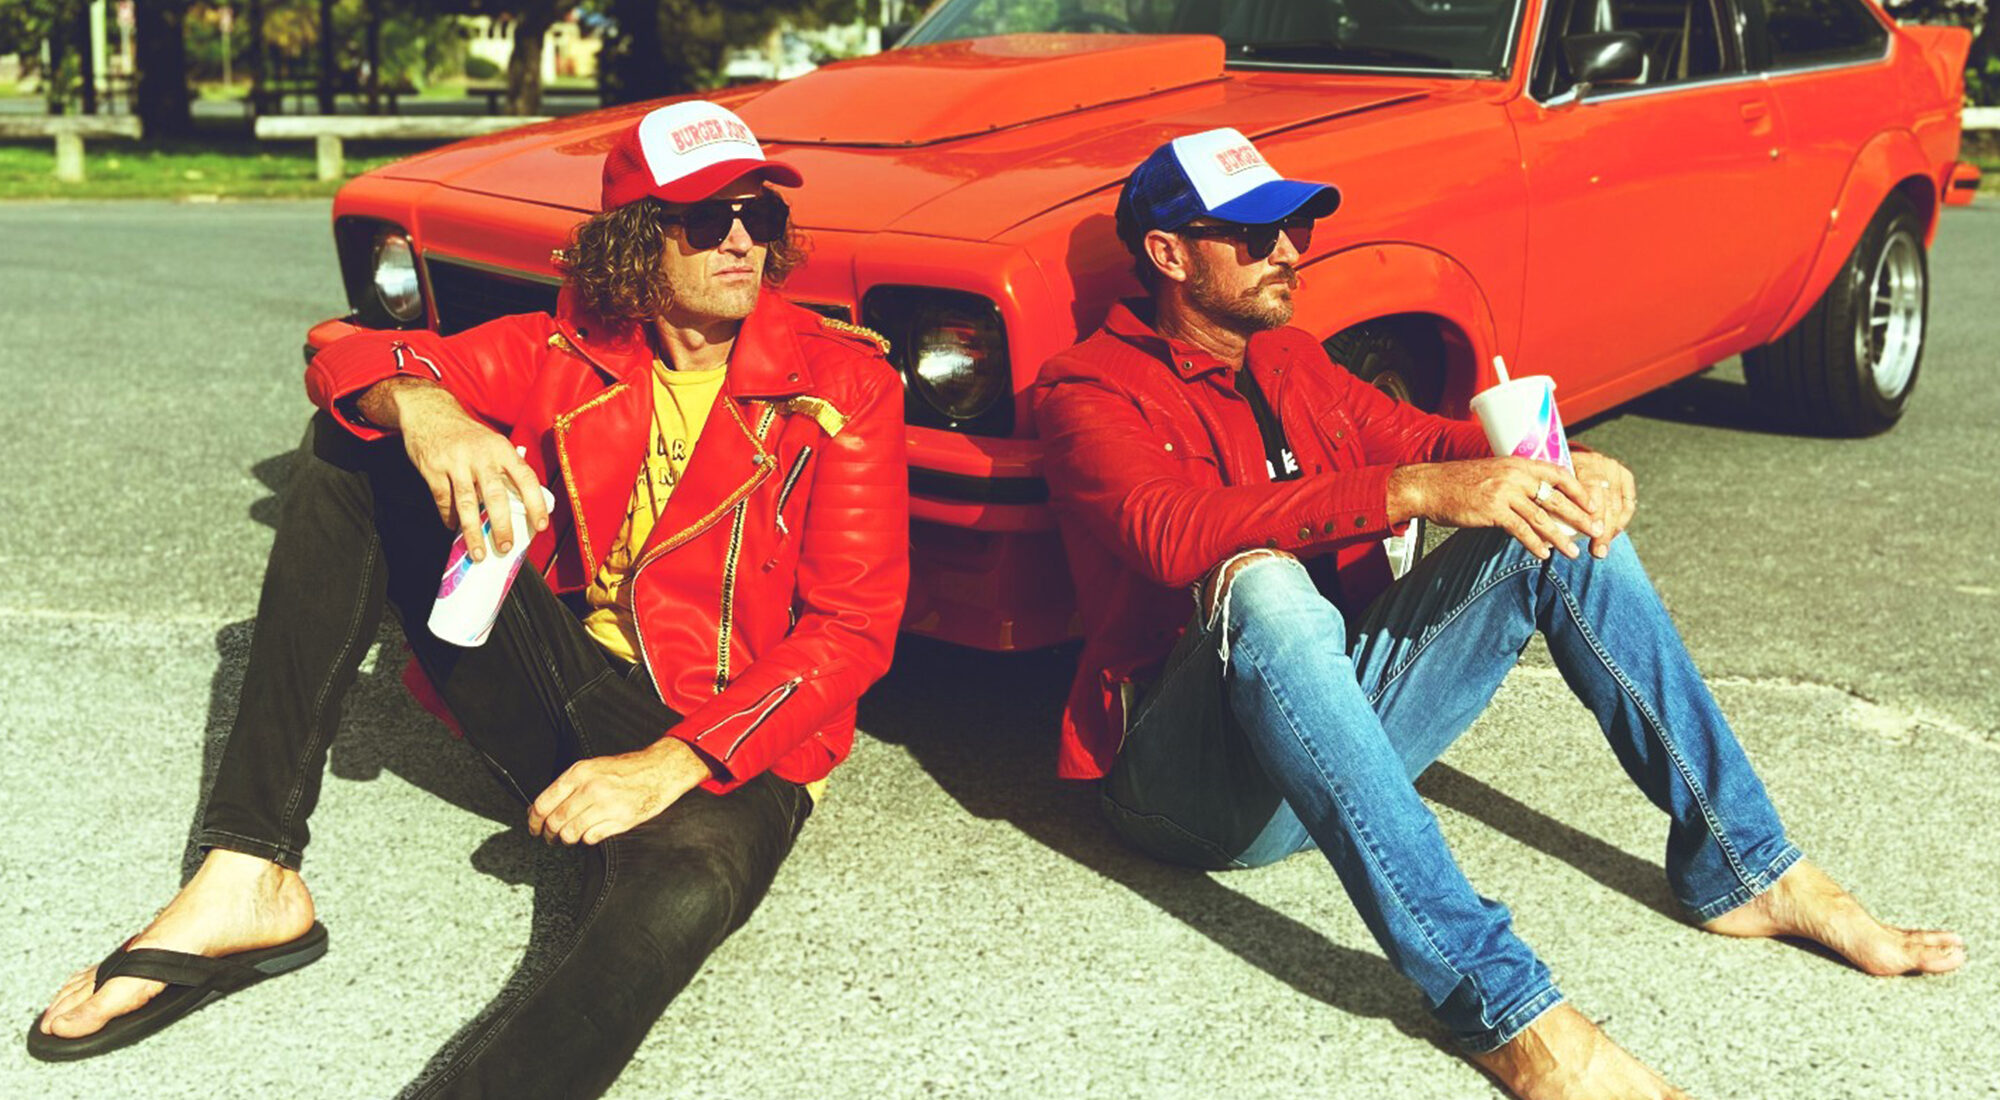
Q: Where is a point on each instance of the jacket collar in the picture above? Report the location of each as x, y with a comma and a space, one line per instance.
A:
1131, 320
766, 361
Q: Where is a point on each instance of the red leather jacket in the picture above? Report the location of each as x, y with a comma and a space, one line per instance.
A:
769, 592
1157, 473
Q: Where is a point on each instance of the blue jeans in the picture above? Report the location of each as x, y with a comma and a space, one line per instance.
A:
1272, 729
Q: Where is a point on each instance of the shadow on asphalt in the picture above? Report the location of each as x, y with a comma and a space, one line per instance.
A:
383, 729
982, 726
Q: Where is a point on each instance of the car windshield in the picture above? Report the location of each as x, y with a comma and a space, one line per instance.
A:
1460, 37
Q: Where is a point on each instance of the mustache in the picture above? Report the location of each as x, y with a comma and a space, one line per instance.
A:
1285, 276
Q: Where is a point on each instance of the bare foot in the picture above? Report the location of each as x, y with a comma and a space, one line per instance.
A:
1563, 1056
235, 902
1805, 902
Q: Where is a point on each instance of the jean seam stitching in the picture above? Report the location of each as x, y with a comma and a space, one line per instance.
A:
1759, 883
1437, 630
1362, 833
318, 718
1517, 1021
280, 847
1656, 727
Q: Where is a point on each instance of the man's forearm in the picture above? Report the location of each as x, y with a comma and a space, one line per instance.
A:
1406, 493
385, 403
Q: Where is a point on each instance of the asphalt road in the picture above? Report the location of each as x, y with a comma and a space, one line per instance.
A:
955, 922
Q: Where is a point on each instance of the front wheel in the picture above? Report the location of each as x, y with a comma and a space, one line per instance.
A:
1406, 363
1850, 364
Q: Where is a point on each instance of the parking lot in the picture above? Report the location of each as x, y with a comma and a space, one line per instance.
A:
955, 922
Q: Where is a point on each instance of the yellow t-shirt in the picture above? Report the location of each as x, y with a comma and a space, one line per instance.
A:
681, 400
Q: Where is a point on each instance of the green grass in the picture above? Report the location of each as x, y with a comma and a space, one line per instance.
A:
121, 169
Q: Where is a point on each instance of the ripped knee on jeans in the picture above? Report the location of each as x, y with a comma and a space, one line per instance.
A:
1215, 586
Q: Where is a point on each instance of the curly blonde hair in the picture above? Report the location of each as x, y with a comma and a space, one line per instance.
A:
613, 261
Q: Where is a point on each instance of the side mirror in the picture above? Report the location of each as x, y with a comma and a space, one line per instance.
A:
1607, 57
893, 33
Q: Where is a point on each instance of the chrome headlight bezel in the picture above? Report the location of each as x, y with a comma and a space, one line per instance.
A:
360, 243
951, 348
393, 276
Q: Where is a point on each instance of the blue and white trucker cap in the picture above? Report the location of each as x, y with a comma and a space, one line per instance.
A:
1216, 173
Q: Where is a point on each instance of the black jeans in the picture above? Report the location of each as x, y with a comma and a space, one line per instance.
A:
357, 530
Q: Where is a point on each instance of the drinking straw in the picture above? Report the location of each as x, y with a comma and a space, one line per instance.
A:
1500, 368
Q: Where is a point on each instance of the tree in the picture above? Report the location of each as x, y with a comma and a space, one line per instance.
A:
667, 47
1982, 65
161, 98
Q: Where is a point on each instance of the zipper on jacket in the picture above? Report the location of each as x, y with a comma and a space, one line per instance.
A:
726, 622
791, 482
763, 708
725, 626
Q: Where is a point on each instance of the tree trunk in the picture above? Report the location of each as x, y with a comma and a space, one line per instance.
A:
637, 68
1986, 44
259, 57
54, 95
86, 57
524, 65
374, 54
326, 105
162, 100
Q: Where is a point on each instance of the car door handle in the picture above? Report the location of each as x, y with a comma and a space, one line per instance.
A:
1756, 111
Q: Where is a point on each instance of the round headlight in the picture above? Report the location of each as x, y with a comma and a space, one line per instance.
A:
958, 362
396, 284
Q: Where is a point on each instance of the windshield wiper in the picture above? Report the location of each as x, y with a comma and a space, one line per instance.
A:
1333, 53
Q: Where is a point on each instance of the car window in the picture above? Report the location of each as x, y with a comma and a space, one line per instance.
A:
1679, 39
1432, 36
1790, 34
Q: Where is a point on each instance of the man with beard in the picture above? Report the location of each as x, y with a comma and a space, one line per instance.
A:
1195, 443
720, 578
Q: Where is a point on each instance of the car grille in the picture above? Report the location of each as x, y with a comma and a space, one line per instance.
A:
468, 295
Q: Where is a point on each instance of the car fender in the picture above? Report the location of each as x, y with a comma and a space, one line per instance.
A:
1889, 161
1369, 282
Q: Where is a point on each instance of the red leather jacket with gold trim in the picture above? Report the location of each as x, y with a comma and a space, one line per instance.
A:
1157, 473
769, 592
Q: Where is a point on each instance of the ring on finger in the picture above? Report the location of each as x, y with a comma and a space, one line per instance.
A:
1542, 492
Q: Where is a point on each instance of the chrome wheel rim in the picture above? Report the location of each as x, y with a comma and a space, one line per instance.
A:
1890, 333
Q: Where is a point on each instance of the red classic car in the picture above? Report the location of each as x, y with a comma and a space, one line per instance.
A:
1615, 192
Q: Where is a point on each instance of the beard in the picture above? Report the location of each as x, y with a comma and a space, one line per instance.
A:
1265, 305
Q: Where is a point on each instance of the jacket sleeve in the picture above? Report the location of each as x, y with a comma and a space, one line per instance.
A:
853, 576
487, 368
1394, 431
1108, 468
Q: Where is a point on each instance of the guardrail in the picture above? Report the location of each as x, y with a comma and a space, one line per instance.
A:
328, 132
1981, 118
69, 132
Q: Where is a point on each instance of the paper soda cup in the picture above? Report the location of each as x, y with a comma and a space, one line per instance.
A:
470, 593
1520, 419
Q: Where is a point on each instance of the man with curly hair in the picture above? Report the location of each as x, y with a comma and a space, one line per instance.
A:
665, 687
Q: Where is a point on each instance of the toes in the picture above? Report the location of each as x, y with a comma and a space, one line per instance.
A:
1937, 952
73, 993
117, 997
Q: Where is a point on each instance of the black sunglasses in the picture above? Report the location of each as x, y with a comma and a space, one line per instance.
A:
707, 223
1259, 240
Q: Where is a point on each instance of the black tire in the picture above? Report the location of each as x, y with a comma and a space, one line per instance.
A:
1405, 361
1848, 367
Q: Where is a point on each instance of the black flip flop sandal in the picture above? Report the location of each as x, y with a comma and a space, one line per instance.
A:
192, 981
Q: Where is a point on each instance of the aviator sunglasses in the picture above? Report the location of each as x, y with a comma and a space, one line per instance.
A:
705, 224
1258, 240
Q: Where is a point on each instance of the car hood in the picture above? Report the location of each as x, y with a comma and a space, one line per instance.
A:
960, 139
